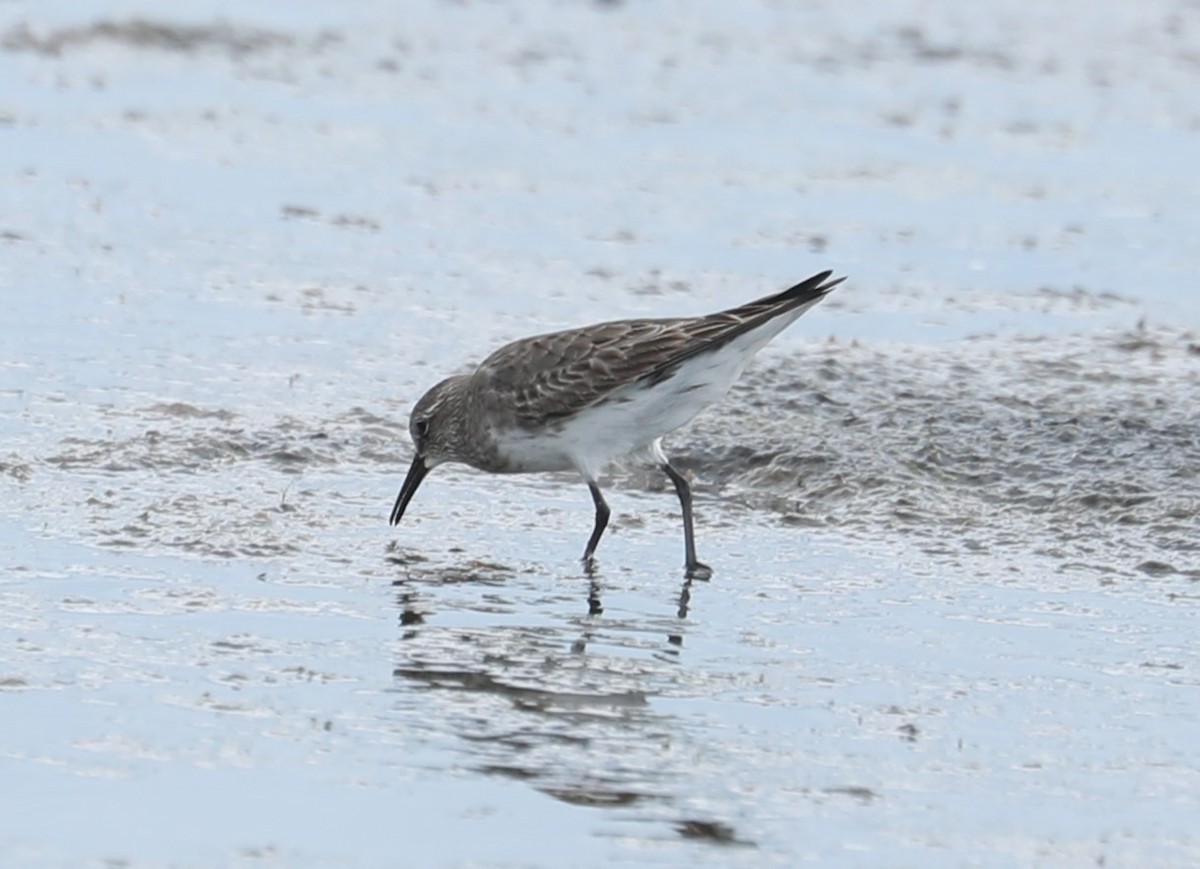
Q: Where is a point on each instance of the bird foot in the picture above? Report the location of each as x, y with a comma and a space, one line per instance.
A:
698, 570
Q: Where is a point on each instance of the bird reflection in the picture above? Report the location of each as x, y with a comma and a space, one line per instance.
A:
407, 601
501, 665
685, 598
418, 573
595, 606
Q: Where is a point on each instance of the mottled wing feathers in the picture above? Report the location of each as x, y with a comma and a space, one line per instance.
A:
549, 377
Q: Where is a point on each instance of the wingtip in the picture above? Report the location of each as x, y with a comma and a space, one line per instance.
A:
816, 286
828, 285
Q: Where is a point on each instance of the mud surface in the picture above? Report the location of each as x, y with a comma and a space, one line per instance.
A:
952, 512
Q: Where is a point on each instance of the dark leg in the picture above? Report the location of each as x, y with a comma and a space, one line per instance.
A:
694, 568
602, 514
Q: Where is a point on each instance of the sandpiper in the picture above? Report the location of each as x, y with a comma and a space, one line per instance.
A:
577, 399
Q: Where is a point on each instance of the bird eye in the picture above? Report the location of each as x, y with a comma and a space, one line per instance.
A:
421, 428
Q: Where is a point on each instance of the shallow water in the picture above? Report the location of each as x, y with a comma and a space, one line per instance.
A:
952, 512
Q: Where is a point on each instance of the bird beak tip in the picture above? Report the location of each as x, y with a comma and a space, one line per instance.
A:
416, 473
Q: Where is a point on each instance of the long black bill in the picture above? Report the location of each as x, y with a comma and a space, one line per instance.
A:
416, 473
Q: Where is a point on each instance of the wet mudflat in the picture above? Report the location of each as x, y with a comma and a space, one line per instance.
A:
952, 512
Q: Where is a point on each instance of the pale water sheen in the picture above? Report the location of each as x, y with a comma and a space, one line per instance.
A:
952, 511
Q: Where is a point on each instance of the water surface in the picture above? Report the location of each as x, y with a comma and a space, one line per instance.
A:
952, 512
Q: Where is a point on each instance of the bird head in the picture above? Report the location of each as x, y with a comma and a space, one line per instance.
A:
436, 429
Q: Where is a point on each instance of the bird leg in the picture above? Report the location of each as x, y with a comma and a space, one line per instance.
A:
602, 514
694, 568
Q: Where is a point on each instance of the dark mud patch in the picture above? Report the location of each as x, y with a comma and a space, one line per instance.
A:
1083, 449
142, 34
151, 35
